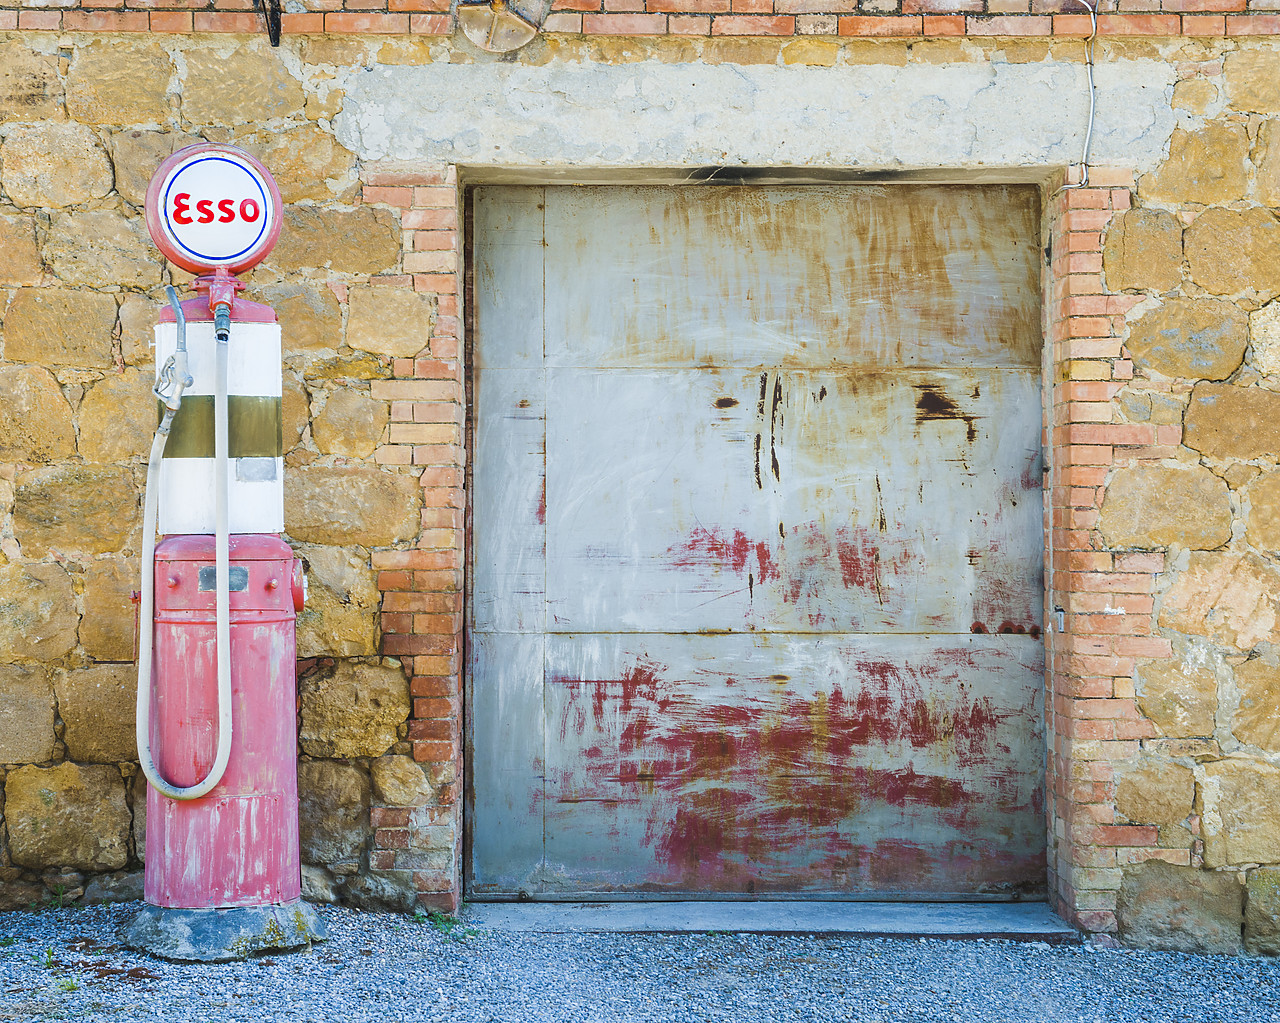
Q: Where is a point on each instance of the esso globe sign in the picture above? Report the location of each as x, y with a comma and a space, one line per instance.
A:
212, 206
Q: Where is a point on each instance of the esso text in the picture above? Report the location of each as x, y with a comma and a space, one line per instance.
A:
207, 211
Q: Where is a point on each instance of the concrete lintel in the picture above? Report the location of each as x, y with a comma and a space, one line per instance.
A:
873, 118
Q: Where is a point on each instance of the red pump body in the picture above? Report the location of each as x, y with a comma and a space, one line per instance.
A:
238, 845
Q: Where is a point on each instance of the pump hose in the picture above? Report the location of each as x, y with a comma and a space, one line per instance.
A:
146, 643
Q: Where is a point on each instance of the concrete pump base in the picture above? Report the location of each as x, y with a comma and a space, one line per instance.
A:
223, 935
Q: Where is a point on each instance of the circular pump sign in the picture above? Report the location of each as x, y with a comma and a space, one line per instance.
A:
211, 206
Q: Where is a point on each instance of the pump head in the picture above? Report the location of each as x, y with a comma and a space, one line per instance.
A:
221, 288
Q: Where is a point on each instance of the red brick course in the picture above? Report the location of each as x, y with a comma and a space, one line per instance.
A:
911, 18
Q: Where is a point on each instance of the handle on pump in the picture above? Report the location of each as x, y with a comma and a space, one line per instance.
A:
175, 374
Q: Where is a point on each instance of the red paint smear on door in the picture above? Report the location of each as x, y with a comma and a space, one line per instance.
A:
711, 547
638, 686
732, 791
812, 558
805, 559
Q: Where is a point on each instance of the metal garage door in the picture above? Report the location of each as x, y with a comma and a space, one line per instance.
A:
756, 574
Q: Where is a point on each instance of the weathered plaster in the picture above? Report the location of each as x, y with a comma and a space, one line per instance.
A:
658, 114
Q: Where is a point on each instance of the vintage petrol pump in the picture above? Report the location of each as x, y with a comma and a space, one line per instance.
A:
216, 662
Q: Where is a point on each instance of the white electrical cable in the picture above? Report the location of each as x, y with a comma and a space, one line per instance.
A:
1093, 99
146, 639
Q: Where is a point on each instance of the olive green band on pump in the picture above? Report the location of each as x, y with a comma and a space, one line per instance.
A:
254, 427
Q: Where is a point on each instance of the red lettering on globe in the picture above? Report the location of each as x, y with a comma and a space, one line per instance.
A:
249, 210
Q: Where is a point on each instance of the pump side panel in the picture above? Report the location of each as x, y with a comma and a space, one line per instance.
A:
237, 846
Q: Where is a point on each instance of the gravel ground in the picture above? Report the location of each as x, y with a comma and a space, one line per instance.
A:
65, 964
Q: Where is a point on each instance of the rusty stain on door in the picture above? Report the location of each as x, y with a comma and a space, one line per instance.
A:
755, 586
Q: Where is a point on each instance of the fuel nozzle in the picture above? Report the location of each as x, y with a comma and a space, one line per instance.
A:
174, 377
222, 322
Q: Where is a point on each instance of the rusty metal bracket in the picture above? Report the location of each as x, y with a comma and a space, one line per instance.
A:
271, 15
501, 26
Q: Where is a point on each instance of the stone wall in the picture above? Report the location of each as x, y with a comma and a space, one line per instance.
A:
1162, 571
1162, 389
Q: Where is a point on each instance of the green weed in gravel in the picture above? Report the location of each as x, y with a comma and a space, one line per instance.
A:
446, 925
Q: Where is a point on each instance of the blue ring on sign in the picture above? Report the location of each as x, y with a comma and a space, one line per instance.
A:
266, 205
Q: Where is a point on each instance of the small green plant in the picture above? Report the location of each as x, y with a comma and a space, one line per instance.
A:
448, 925
443, 922
48, 961
8, 942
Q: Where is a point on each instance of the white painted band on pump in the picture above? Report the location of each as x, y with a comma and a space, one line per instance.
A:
256, 483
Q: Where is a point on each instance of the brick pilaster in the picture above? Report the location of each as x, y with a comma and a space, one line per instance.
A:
422, 586
1100, 604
